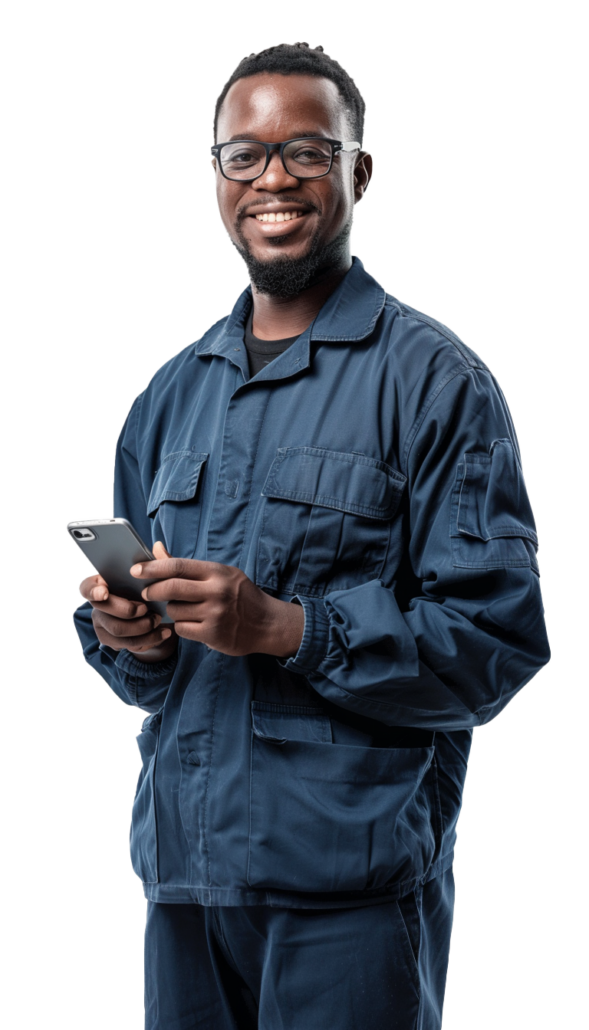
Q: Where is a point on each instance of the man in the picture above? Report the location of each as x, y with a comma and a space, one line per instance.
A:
324, 445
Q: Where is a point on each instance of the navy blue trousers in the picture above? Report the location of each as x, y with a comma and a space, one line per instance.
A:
377, 967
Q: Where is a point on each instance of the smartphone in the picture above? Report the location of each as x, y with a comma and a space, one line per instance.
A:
113, 546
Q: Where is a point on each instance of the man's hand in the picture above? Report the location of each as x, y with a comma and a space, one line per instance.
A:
219, 606
123, 624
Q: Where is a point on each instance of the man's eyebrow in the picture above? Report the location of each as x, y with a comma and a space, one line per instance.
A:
253, 137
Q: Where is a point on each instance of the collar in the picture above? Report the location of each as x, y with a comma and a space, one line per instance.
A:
349, 313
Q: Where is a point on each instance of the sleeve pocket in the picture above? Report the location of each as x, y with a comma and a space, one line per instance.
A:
174, 504
492, 524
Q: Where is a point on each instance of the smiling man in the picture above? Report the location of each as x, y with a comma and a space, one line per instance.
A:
292, 222
344, 540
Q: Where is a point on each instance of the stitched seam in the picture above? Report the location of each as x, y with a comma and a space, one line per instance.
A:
509, 532
326, 501
438, 327
249, 503
206, 797
448, 378
353, 459
272, 706
391, 704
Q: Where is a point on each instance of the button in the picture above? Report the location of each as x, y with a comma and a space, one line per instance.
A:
193, 758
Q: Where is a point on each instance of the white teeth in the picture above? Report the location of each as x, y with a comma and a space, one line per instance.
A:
279, 216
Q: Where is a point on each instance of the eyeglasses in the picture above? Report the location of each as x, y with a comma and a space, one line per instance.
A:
244, 160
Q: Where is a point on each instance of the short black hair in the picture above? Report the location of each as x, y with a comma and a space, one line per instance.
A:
300, 59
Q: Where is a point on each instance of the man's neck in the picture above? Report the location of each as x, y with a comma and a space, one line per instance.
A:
277, 318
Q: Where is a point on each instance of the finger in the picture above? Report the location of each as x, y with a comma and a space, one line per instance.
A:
121, 628
133, 643
121, 607
160, 551
94, 588
190, 590
152, 640
174, 568
177, 610
191, 631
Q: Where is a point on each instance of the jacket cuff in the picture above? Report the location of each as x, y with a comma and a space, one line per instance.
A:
313, 646
149, 672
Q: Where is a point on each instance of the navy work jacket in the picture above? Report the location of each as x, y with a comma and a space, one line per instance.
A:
370, 473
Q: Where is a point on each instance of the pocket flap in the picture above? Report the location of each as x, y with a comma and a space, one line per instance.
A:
278, 722
176, 479
350, 482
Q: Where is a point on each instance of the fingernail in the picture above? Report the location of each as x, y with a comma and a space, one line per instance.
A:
136, 570
166, 634
100, 594
144, 593
140, 610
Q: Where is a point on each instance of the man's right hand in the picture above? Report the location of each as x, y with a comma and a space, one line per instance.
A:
123, 624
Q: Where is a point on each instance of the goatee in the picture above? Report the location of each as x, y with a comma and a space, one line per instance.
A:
286, 277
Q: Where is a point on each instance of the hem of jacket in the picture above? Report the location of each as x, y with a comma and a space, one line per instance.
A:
171, 894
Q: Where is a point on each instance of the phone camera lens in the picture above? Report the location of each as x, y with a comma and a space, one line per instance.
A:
80, 536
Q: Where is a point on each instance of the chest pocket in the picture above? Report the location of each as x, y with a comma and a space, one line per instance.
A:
174, 502
326, 520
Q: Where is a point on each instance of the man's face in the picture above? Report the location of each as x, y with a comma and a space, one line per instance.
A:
274, 108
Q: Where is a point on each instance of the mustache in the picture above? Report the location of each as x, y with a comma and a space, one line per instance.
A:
276, 198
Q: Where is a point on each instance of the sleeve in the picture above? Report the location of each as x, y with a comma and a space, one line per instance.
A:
135, 682
462, 629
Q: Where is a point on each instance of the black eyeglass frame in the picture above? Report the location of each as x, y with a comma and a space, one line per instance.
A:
336, 147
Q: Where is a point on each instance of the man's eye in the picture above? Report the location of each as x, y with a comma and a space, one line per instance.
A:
310, 155
241, 157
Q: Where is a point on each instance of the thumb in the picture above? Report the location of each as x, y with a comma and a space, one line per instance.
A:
159, 550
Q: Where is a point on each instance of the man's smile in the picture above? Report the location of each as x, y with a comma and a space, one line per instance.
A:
277, 219
279, 216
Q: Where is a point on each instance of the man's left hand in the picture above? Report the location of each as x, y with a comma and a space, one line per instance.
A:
219, 606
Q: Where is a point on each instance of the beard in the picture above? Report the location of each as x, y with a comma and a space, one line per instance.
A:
286, 277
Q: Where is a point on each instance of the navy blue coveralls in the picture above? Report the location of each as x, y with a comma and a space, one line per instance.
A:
370, 473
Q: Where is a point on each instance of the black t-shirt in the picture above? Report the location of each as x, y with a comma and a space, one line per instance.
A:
261, 352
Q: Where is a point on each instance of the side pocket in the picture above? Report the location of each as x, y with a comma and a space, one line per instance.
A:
409, 906
143, 838
332, 817
492, 526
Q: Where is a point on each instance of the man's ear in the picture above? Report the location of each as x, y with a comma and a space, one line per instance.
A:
362, 174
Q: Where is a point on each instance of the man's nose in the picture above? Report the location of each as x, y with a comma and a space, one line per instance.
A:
276, 177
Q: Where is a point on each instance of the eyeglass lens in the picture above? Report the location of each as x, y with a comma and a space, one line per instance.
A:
304, 158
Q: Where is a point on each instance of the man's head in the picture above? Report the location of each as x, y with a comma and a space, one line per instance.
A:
283, 94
